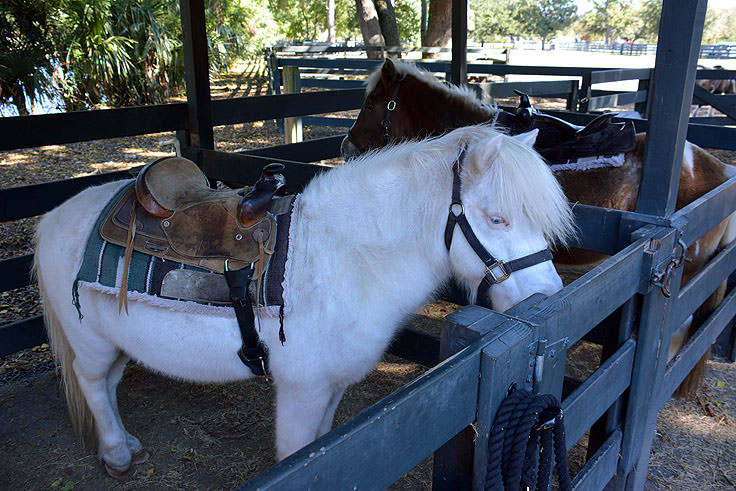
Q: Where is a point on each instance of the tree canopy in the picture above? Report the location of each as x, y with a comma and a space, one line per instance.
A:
122, 52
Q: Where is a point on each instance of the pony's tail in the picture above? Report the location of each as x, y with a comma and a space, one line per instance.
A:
81, 416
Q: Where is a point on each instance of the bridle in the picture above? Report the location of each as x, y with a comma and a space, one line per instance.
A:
385, 124
496, 270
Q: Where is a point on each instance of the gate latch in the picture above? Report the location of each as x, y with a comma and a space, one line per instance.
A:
663, 277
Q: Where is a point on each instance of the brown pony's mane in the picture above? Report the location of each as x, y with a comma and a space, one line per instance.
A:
463, 94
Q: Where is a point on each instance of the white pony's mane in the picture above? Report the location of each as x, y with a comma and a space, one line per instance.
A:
462, 93
521, 180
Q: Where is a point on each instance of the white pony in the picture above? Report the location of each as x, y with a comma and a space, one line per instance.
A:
367, 248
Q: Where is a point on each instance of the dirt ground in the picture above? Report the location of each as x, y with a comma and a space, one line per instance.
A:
218, 436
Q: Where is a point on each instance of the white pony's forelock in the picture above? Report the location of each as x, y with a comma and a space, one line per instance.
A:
525, 185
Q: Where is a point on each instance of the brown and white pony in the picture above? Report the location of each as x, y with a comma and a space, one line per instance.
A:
423, 106
722, 86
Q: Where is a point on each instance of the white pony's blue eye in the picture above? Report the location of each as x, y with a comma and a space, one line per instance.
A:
497, 220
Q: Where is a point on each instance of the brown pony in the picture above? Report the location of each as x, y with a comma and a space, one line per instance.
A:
722, 86
403, 103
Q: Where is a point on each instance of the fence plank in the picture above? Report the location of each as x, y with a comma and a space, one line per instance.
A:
259, 108
681, 365
27, 201
21, 335
700, 286
593, 398
57, 129
584, 303
619, 74
15, 272
403, 424
707, 211
601, 468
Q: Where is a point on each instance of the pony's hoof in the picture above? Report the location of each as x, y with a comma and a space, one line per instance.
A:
139, 457
118, 474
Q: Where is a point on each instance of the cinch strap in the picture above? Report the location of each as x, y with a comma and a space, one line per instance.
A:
252, 353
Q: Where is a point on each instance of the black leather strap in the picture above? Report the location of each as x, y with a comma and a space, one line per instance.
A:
496, 271
251, 353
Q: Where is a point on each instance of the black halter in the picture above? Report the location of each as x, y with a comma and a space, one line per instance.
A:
385, 124
496, 270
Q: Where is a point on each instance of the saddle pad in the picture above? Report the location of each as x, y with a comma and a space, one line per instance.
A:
588, 163
102, 266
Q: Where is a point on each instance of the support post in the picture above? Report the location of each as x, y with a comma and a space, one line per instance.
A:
293, 132
459, 65
196, 72
671, 91
650, 363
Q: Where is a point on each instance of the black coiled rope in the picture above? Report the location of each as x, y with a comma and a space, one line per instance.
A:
524, 423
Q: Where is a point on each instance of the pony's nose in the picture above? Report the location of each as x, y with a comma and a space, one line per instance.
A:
348, 149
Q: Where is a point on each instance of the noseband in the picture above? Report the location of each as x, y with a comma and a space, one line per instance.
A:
496, 270
385, 124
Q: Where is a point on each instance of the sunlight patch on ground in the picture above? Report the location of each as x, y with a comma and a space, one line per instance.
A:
14, 159
398, 369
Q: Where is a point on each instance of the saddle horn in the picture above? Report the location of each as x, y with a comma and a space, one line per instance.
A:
255, 203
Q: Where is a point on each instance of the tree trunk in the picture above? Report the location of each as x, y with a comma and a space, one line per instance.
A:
331, 21
19, 99
369, 26
387, 21
439, 25
423, 25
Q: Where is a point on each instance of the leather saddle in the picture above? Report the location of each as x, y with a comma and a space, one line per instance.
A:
560, 142
178, 216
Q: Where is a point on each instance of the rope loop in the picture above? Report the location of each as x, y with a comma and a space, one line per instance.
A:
527, 430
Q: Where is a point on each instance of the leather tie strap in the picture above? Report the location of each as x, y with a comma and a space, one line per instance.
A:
252, 353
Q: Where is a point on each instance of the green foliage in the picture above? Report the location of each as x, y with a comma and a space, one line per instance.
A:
408, 18
306, 20
25, 46
720, 26
494, 19
613, 19
544, 18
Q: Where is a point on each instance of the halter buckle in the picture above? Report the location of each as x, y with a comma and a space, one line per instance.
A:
391, 105
498, 265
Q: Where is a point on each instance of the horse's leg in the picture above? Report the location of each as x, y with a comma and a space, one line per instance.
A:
139, 454
300, 415
689, 386
93, 374
326, 424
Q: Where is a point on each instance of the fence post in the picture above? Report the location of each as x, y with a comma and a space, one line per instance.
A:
459, 463
650, 363
643, 107
292, 126
572, 96
585, 92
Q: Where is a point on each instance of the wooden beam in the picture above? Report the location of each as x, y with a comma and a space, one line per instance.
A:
680, 31
197, 73
459, 65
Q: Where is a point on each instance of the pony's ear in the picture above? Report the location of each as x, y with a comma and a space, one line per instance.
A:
529, 138
388, 71
484, 154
